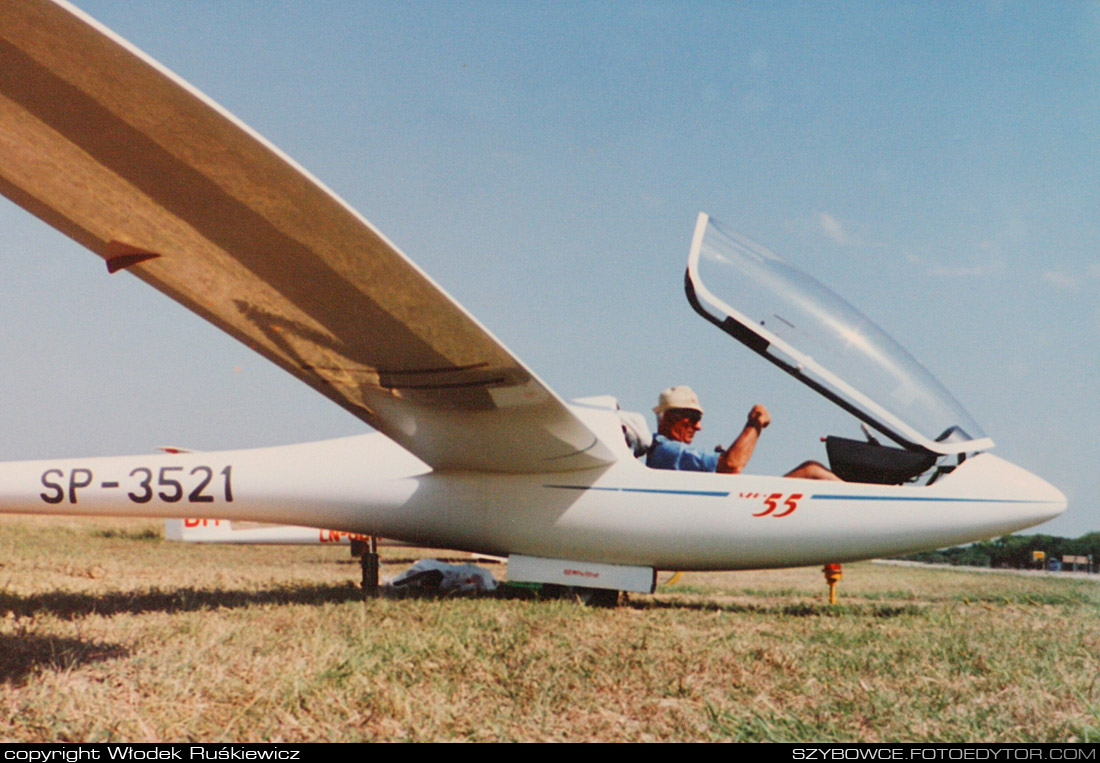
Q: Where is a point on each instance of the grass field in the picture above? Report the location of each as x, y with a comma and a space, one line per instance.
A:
109, 633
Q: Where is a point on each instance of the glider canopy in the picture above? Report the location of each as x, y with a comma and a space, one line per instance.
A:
804, 328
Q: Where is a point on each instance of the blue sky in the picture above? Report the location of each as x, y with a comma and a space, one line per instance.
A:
937, 164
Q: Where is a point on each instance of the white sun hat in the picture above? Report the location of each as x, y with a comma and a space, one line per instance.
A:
677, 397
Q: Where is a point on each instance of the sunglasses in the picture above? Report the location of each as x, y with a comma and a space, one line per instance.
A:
679, 414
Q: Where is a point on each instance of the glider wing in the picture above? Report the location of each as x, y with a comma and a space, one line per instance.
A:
110, 148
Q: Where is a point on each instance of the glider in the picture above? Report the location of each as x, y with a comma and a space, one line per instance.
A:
195, 530
472, 450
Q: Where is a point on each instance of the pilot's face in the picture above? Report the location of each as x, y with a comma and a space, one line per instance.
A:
683, 423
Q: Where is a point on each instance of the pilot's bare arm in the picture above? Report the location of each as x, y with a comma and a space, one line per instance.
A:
737, 456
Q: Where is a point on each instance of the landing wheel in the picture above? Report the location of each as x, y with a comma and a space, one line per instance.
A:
597, 597
593, 597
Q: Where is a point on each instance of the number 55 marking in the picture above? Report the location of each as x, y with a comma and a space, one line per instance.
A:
772, 502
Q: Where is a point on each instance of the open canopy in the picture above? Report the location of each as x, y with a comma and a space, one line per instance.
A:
797, 323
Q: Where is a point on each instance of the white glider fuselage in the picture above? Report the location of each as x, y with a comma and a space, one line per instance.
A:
624, 513
100, 141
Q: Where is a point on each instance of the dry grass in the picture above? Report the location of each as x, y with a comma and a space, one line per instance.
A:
107, 633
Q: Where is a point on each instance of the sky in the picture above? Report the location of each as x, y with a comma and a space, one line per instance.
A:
936, 164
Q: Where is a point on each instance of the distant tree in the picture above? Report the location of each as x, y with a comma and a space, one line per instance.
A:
1011, 551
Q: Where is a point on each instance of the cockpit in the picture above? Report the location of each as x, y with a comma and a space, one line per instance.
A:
796, 323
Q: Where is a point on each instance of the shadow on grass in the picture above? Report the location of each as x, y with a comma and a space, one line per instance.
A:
24, 653
68, 605
504, 591
387, 561
534, 594
785, 610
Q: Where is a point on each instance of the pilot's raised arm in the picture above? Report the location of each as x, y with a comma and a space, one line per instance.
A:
736, 456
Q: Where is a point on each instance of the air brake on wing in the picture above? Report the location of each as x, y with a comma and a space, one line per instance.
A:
123, 256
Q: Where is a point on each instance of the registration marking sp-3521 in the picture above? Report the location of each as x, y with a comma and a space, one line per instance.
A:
172, 484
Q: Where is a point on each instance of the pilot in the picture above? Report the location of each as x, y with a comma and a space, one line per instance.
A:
678, 419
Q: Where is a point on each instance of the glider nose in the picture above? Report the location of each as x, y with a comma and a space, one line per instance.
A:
1043, 501
1049, 497
1016, 498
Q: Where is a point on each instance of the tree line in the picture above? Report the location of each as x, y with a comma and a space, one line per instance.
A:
1013, 551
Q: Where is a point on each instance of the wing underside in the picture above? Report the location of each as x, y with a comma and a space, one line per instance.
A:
111, 149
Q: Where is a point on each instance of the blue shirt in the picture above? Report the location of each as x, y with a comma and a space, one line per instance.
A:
670, 454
